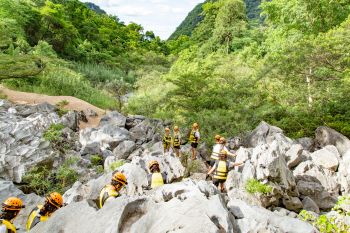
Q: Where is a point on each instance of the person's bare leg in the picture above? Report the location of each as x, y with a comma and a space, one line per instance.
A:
193, 153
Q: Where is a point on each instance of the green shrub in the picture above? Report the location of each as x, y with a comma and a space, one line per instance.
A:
323, 223
254, 186
113, 166
96, 160
99, 169
41, 180
62, 103
53, 133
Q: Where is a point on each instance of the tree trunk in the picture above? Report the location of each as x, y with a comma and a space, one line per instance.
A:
308, 82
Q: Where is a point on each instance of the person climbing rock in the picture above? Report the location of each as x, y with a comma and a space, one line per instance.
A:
111, 191
220, 144
156, 178
216, 150
194, 138
167, 140
9, 211
42, 212
177, 141
221, 169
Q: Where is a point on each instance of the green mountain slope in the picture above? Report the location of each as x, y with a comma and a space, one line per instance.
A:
195, 17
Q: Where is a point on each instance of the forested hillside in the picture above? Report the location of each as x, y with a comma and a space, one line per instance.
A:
292, 71
65, 48
196, 16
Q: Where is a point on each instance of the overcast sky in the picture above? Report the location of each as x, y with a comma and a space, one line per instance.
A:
160, 16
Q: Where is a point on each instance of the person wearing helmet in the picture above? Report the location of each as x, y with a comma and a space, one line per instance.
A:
167, 140
194, 139
177, 141
111, 191
221, 169
216, 150
9, 211
42, 212
156, 178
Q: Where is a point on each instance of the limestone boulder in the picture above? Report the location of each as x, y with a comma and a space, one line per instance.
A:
326, 136
326, 158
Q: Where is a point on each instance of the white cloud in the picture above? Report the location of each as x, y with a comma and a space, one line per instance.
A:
160, 16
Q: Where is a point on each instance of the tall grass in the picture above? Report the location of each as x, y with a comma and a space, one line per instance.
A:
98, 73
60, 80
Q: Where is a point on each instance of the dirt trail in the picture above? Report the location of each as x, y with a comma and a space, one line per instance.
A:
74, 103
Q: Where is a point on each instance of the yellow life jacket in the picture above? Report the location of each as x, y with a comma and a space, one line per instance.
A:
9, 226
35, 217
176, 141
193, 138
157, 180
221, 171
107, 192
215, 155
166, 140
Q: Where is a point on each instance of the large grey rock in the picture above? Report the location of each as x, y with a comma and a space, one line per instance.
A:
271, 165
21, 146
293, 203
113, 119
169, 164
307, 143
294, 155
144, 131
308, 171
314, 190
310, 205
144, 214
326, 136
107, 136
91, 149
326, 158
257, 219
124, 149
266, 134
71, 120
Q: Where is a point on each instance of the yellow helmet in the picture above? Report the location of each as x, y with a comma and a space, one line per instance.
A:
167, 129
195, 125
55, 199
217, 137
223, 139
176, 128
12, 203
152, 163
120, 177
223, 153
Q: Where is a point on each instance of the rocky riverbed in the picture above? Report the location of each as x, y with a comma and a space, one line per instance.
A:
305, 174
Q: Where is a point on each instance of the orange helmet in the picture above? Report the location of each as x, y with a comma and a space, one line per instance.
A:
217, 137
195, 125
55, 199
120, 177
176, 128
152, 163
13, 203
167, 129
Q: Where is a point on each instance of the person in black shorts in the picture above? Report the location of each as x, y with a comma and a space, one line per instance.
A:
194, 139
177, 141
221, 169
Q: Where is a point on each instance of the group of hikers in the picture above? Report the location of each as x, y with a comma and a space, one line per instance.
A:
218, 168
